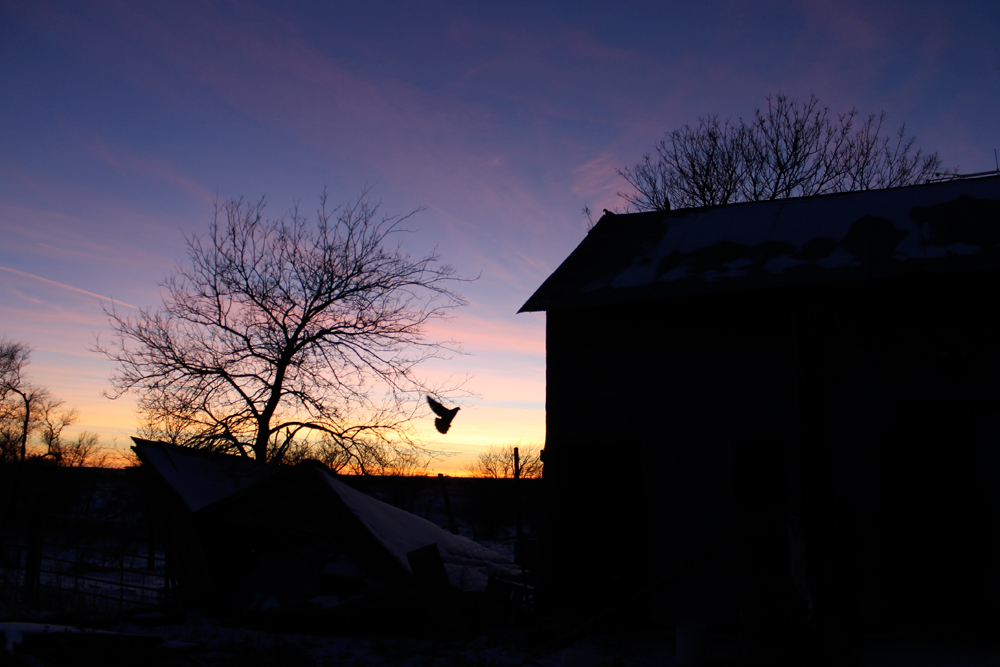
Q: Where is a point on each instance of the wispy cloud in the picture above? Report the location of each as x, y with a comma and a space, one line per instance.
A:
598, 180
67, 287
158, 169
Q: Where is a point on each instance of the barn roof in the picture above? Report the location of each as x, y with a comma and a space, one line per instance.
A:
946, 227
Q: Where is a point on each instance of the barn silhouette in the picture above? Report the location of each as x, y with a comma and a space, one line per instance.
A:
806, 410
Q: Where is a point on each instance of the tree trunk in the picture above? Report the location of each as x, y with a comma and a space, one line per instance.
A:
24, 430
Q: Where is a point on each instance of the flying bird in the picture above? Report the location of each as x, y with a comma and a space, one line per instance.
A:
444, 415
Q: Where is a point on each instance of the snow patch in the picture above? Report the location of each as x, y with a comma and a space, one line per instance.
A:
782, 262
839, 258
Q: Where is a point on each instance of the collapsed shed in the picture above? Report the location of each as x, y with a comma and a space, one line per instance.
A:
245, 537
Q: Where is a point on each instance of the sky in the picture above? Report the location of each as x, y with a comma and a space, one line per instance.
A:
122, 123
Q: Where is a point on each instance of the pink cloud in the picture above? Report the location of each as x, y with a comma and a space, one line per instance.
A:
497, 336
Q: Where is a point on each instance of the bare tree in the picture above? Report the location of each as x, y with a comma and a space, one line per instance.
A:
52, 422
498, 462
21, 400
284, 331
788, 150
85, 450
27, 411
370, 458
374, 459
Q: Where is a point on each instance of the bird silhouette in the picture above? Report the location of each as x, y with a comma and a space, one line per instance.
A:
444, 415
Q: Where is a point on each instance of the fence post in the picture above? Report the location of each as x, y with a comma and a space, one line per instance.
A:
452, 526
33, 557
151, 549
517, 494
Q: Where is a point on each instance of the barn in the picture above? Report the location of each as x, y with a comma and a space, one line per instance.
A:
771, 410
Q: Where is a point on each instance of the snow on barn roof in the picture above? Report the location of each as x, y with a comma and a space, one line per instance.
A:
946, 227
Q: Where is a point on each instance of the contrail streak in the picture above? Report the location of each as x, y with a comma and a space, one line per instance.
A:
69, 287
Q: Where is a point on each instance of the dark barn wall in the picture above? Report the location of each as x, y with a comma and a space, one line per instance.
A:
880, 399
643, 406
912, 412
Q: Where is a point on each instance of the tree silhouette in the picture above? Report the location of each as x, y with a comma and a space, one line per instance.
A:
27, 409
788, 150
287, 330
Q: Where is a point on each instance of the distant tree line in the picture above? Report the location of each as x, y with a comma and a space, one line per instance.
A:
32, 420
497, 462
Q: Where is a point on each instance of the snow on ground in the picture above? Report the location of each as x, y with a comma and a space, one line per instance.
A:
915, 650
613, 647
208, 642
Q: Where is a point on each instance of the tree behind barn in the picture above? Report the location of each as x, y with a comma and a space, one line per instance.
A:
788, 150
284, 331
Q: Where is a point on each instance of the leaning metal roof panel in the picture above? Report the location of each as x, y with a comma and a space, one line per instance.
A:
199, 478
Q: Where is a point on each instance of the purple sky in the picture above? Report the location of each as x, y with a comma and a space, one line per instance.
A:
122, 121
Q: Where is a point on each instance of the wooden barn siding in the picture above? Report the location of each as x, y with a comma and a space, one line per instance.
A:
644, 399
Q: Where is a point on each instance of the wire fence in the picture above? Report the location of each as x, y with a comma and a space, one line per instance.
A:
78, 545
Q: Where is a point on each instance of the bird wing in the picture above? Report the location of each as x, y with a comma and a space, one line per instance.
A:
438, 409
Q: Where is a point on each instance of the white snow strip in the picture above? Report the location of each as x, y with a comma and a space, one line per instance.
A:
468, 564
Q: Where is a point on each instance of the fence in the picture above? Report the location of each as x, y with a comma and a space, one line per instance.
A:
77, 543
